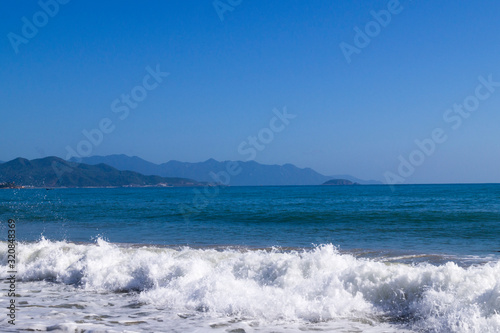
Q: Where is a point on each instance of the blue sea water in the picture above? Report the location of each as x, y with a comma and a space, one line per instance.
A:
445, 219
409, 258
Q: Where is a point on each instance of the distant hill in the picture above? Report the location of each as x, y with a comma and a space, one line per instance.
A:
252, 173
123, 162
56, 172
339, 182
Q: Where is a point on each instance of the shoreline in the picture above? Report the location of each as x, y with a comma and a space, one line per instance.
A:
22, 187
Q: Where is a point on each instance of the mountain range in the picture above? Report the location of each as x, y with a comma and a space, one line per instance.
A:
56, 172
248, 173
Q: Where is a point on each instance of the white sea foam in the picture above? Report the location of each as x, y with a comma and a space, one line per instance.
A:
186, 290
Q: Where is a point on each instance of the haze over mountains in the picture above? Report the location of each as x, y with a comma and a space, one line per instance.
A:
56, 172
248, 173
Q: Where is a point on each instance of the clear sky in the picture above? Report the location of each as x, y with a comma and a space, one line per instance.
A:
63, 67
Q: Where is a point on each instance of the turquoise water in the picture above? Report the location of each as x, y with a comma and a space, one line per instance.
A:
448, 219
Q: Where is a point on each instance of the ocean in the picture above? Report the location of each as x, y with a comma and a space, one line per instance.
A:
409, 258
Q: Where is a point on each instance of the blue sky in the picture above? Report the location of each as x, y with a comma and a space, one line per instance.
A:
227, 76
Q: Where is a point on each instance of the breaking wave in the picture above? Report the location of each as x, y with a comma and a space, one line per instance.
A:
315, 285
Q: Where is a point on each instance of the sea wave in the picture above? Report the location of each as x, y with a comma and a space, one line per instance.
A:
315, 285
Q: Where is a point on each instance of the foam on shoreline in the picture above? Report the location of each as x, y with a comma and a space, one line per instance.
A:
272, 286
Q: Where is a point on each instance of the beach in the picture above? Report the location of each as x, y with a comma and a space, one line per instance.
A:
272, 259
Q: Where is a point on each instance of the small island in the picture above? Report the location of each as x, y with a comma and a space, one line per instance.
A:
339, 182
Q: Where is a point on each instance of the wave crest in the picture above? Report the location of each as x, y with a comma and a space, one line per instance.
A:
314, 285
